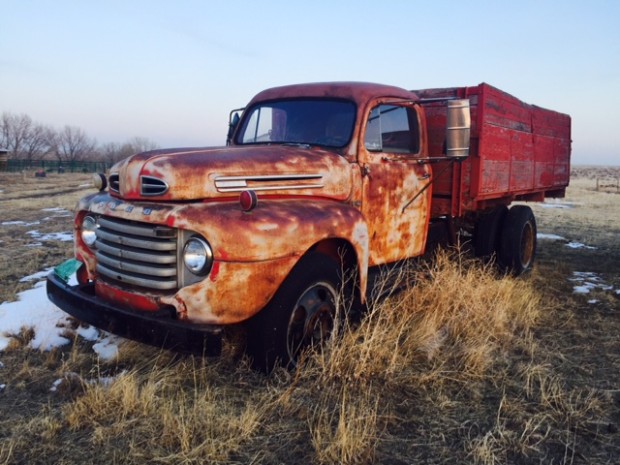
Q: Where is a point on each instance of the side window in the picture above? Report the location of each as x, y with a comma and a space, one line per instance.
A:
392, 129
259, 126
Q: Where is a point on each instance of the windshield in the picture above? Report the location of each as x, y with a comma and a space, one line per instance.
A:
305, 121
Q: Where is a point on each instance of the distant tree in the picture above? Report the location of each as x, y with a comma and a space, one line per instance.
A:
26, 139
72, 144
38, 142
15, 130
114, 152
142, 144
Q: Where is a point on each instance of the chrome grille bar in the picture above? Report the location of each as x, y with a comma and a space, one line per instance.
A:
136, 253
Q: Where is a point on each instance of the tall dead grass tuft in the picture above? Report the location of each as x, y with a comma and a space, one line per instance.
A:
455, 314
349, 433
173, 414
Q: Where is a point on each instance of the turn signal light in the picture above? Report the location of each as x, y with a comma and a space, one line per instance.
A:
248, 200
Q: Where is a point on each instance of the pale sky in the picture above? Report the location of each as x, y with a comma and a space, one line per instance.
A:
172, 71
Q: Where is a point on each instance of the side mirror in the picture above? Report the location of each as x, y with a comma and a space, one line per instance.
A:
233, 121
458, 129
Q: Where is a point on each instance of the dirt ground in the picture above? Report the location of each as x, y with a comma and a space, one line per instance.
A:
556, 402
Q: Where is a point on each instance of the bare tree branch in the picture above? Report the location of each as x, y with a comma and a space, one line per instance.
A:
72, 144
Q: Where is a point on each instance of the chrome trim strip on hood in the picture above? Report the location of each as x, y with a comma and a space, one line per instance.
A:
240, 183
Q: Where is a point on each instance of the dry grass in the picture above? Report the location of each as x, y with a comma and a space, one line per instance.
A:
26, 203
455, 314
463, 366
349, 433
161, 419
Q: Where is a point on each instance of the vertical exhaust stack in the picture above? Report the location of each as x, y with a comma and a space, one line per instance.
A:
458, 129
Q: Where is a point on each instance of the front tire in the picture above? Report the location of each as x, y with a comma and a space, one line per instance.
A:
299, 316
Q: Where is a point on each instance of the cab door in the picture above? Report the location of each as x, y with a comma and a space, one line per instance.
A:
396, 184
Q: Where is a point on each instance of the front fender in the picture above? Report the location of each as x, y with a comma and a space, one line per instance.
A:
277, 230
253, 251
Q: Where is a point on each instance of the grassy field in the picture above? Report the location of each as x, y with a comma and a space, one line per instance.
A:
463, 367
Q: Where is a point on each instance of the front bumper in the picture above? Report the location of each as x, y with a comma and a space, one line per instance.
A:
160, 329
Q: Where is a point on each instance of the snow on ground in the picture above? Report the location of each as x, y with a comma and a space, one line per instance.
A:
19, 223
555, 203
36, 276
62, 236
587, 281
34, 310
569, 244
52, 327
550, 237
579, 245
58, 212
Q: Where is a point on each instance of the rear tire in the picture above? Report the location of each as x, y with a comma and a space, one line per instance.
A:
487, 233
518, 241
300, 315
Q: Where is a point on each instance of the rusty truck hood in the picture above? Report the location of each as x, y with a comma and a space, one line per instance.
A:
218, 172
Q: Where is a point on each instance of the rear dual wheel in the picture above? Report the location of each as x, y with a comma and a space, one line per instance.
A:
488, 232
518, 242
509, 237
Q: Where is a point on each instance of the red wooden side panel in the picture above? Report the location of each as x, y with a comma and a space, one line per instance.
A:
518, 151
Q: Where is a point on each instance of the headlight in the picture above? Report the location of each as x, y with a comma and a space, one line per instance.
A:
197, 256
99, 181
89, 228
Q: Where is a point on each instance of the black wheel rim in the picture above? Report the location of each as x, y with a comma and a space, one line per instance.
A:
312, 319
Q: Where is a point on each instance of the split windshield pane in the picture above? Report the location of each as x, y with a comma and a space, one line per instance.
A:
322, 122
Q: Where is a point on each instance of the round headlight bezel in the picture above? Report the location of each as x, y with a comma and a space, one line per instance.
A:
100, 182
88, 231
197, 256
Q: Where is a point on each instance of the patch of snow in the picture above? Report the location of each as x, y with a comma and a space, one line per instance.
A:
34, 310
19, 223
579, 245
107, 348
55, 385
85, 185
582, 289
34, 244
551, 205
90, 333
50, 324
54, 209
551, 237
2, 387
36, 276
587, 281
62, 237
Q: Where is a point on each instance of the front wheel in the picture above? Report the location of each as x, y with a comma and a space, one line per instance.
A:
518, 241
301, 315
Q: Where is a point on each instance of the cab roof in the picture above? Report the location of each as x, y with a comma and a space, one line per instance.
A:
358, 92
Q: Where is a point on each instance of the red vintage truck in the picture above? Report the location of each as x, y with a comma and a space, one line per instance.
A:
316, 180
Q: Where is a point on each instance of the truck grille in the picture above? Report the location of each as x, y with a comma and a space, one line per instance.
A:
137, 253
